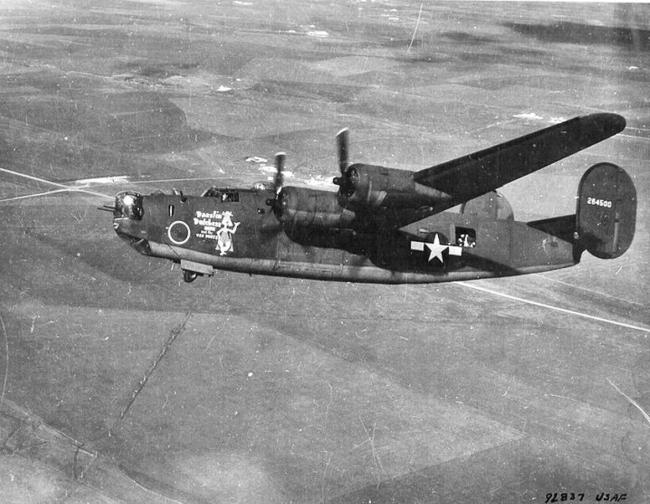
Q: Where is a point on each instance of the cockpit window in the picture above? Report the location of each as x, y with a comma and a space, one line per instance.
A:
223, 195
230, 196
129, 204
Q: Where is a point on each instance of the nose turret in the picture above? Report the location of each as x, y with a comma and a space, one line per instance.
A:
127, 220
128, 204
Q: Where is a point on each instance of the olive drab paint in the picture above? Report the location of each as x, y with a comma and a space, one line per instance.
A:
393, 226
606, 211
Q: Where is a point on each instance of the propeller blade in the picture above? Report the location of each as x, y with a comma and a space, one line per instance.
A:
342, 144
278, 182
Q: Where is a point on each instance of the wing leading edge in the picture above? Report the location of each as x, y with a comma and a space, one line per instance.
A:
470, 176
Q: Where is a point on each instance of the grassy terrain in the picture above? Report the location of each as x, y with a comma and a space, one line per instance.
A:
280, 390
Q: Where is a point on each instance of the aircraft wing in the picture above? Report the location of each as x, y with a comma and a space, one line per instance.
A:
470, 176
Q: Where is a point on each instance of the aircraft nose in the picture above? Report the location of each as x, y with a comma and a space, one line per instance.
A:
127, 215
133, 233
123, 226
129, 204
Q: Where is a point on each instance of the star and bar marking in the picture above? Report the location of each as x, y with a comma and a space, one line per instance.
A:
436, 248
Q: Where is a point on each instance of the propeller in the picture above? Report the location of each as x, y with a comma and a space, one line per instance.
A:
278, 182
345, 181
342, 140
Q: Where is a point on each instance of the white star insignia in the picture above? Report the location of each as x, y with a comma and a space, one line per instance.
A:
436, 249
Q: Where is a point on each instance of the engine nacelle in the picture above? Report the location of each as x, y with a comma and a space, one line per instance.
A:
370, 186
492, 205
300, 207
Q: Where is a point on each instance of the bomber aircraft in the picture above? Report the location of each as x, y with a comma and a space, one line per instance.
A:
388, 225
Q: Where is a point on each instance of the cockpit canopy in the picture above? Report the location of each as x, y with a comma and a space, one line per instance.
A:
224, 195
128, 204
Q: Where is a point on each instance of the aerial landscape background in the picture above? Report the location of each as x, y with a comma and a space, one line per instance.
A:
121, 383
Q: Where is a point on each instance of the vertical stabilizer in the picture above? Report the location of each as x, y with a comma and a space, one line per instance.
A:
606, 211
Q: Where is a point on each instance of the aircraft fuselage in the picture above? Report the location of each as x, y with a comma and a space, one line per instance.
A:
237, 230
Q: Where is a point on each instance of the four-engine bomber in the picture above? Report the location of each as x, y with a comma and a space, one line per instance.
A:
393, 226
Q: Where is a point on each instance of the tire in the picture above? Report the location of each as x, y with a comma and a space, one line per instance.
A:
189, 276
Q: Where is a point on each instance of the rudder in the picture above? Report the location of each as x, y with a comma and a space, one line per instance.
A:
606, 211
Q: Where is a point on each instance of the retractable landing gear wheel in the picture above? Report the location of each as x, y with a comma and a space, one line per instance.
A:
189, 276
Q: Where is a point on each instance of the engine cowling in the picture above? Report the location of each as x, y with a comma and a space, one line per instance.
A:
364, 186
301, 207
492, 205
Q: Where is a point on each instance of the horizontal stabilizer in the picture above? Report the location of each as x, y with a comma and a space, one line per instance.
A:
561, 227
